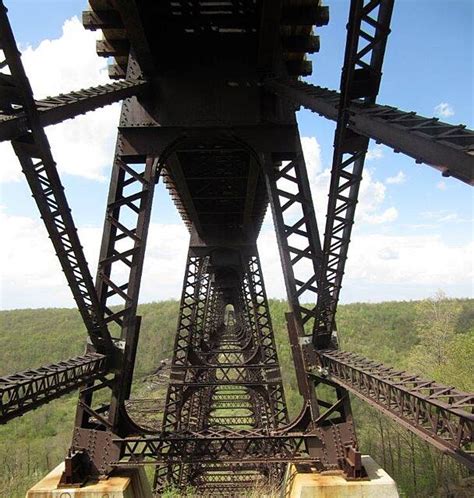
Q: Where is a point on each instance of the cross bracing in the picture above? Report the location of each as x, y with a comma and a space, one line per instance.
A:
223, 138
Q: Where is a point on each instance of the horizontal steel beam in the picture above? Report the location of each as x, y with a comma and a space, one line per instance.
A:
53, 110
448, 148
217, 446
25, 391
440, 415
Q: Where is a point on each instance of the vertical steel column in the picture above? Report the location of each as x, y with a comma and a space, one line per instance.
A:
119, 273
297, 234
193, 279
192, 311
120, 269
121, 259
266, 339
202, 310
300, 251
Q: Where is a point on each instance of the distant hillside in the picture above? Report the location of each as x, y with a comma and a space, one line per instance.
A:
433, 337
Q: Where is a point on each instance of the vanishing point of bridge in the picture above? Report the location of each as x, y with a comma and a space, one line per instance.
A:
210, 90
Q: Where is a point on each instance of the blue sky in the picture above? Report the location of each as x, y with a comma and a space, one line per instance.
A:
413, 231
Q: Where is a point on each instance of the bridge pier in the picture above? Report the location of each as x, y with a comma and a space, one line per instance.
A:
130, 483
305, 484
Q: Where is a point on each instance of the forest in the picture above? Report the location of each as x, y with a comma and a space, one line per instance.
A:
433, 337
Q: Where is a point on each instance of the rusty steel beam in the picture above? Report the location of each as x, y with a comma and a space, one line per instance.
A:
34, 153
215, 445
220, 362
225, 355
53, 110
448, 148
367, 33
440, 415
298, 241
30, 389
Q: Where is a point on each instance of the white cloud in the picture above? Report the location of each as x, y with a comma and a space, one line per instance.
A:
371, 199
10, 170
449, 218
375, 152
401, 267
444, 110
38, 281
414, 262
388, 253
444, 216
83, 146
64, 64
312, 156
372, 192
26, 280
271, 263
386, 267
390, 214
165, 260
399, 178
441, 185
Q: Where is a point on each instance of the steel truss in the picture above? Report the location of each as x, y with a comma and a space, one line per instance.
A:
368, 30
225, 423
118, 282
326, 410
24, 391
234, 364
213, 447
444, 146
34, 154
53, 110
439, 414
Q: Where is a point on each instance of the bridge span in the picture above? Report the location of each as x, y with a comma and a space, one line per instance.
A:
210, 90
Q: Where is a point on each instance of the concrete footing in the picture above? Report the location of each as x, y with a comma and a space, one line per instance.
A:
378, 484
299, 484
130, 484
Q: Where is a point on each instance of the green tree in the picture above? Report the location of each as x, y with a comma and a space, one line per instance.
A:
435, 326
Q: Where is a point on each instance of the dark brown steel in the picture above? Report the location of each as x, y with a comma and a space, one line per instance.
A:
225, 141
53, 110
367, 34
34, 154
27, 390
228, 360
446, 147
440, 414
299, 246
122, 254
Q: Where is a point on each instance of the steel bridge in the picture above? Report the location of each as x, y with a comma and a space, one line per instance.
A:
210, 90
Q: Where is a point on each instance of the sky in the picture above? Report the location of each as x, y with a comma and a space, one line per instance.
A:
414, 229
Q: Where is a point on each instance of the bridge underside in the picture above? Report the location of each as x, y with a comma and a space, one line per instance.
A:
210, 93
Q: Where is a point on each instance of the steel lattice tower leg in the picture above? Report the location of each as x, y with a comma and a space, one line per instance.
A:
328, 409
223, 357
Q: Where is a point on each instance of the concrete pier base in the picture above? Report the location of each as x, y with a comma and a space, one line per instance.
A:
378, 484
130, 484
